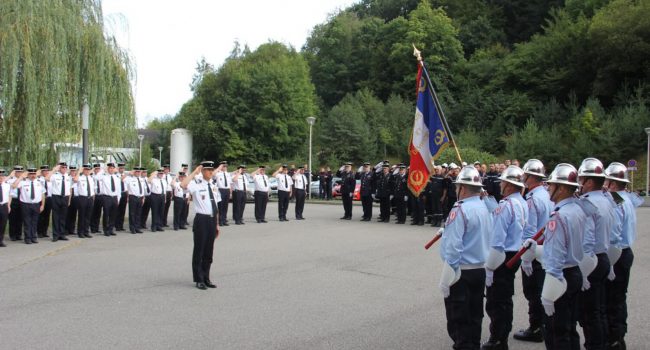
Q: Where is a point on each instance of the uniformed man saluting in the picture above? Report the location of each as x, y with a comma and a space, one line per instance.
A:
347, 189
367, 191
206, 197
463, 251
32, 201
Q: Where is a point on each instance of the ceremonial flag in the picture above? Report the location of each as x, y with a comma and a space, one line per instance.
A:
429, 137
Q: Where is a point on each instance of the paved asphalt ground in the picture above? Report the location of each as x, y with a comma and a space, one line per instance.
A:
322, 283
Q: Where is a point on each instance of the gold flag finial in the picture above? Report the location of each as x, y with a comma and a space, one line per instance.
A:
417, 53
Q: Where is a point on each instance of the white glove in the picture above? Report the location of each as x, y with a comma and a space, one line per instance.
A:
391, 197
585, 283
489, 277
444, 290
373, 197
549, 307
527, 267
406, 198
612, 275
529, 255
351, 194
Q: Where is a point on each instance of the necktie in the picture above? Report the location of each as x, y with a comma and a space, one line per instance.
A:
147, 184
97, 191
214, 205
87, 186
165, 178
32, 195
243, 180
1, 194
225, 179
63, 185
286, 182
139, 186
162, 188
264, 178
45, 182
112, 183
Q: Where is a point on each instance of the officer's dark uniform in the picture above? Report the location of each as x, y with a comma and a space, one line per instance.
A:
97, 204
401, 196
71, 217
384, 191
367, 190
347, 191
434, 189
451, 196
492, 184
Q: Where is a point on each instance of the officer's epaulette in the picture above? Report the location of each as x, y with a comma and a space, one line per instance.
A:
458, 203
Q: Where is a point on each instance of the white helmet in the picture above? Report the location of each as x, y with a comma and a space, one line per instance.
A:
469, 176
564, 174
513, 174
453, 166
464, 164
617, 172
534, 167
591, 167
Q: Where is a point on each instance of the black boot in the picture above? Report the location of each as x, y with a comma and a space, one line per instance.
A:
495, 345
530, 334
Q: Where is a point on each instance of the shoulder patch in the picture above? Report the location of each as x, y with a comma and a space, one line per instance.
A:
552, 225
452, 217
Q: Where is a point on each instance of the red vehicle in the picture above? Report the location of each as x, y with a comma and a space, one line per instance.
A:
336, 191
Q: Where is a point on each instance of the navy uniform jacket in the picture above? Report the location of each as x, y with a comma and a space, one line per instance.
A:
349, 183
383, 183
400, 185
435, 186
367, 184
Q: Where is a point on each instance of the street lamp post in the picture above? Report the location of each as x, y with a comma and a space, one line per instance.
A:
160, 155
85, 121
647, 166
311, 121
140, 137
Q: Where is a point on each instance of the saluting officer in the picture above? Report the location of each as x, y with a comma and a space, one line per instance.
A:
562, 254
110, 193
384, 192
401, 193
224, 182
5, 204
85, 192
464, 251
347, 189
599, 232
239, 194
367, 191
60, 182
98, 202
71, 216
158, 190
261, 195
136, 190
180, 201
621, 256
532, 278
32, 201
123, 200
436, 183
15, 215
505, 240
284, 191
300, 184
168, 179
146, 204
44, 216
206, 221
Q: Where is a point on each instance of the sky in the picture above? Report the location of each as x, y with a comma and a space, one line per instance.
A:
166, 39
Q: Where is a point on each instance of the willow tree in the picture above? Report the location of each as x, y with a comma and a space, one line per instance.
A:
54, 57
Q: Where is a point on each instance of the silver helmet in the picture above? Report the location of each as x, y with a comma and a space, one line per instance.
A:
453, 166
564, 174
514, 175
591, 167
617, 172
469, 176
534, 167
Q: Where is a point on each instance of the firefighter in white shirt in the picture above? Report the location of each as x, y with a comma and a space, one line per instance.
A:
5, 204
300, 185
32, 201
180, 201
224, 182
261, 195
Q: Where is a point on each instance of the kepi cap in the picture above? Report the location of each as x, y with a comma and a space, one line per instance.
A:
208, 164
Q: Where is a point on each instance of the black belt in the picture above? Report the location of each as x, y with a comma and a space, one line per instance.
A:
59, 195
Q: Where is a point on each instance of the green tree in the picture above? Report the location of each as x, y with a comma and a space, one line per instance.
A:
347, 136
55, 57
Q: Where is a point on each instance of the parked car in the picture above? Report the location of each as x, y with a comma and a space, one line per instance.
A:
273, 184
336, 191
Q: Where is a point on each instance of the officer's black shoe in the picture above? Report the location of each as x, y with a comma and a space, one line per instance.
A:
264, 221
138, 231
344, 218
183, 228
34, 241
63, 238
400, 222
617, 345
210, 284
107, 234
529, 334
225, 224
421, 223
81, 236
28, 242
201, 286
414, 222
87, 235
54, 239
2, 245
494, 345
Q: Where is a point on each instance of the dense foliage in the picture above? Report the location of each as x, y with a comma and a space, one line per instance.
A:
55, 56
554, 79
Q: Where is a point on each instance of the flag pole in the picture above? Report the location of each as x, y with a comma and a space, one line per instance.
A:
432, 91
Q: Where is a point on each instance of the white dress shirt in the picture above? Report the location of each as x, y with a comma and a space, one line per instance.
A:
14, 191
284, 182
85, 186
300, 181
158, 185
46, 184
261, 183
5, 188
224, 180
135, 186
199, 188
26, 191
56, 181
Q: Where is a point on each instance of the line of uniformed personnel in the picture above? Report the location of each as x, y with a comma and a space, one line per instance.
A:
578, 225
76, 200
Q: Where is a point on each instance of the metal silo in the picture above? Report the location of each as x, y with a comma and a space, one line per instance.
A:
180, 149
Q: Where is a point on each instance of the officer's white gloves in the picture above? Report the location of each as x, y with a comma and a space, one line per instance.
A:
549, 307
489, 277
373, 197
585, 283
391, 197
587, 266
351, 194
448, 277
406, 198
529, 255
444, 289
612, 275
